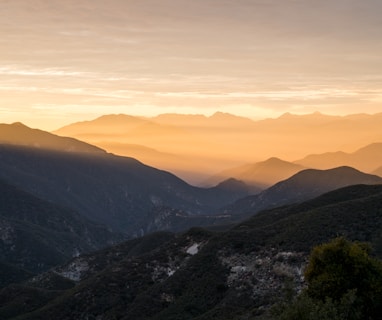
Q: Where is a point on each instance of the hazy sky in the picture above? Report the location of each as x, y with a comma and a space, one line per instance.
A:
63, 61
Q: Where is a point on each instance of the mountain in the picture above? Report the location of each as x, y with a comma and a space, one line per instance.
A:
163, 144
303, 186
217, 120
19, 134
235, 274
116, 191
221, 141
120, 123
36, 234
118, 127
365, 159
262, 174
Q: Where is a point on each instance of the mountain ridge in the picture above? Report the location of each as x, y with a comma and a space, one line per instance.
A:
117, 191
302, 186
221, 141
19, 134
261, 174
368, 158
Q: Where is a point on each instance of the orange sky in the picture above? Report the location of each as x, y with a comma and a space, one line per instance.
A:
64, 61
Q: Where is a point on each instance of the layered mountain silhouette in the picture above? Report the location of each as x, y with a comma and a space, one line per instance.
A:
261, 174
199, 145
19, 134
218, 120
200, 274
117, 191
37, 235
367, 159
302, 186
61, 197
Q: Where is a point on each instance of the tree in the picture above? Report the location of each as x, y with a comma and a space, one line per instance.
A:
339, 267
344, 283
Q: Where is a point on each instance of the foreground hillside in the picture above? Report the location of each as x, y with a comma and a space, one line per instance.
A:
37, 235
236, 274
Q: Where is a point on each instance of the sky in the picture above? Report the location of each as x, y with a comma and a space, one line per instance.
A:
72, 60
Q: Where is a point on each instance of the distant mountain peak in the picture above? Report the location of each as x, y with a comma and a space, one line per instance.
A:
222, 114
316, 114
287, 115
19, 124
232, 183
225, 115
274, 160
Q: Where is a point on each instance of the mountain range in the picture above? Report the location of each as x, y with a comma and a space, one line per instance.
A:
128, 196
194, 146
119, 192
366, 159
263, 174
61, 199
302, 186
260, 175
199, 274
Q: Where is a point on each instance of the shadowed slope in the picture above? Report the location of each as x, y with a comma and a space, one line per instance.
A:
202, 275
304, 185
36, 234
117, 191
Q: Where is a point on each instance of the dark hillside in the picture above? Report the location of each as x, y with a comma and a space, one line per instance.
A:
116, 191
302, 186
36, 234
235, 274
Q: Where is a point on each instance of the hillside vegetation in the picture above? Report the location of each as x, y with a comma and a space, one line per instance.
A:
236, 274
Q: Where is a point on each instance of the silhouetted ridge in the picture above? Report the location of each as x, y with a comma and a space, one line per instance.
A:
261, 174
367, 159
117, 191
19, 134
302, 186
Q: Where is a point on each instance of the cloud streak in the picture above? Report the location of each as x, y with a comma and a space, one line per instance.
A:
191, 56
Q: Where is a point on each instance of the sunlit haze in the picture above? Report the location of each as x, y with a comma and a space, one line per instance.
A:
66, 61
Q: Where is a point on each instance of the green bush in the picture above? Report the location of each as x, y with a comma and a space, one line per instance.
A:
344, 283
